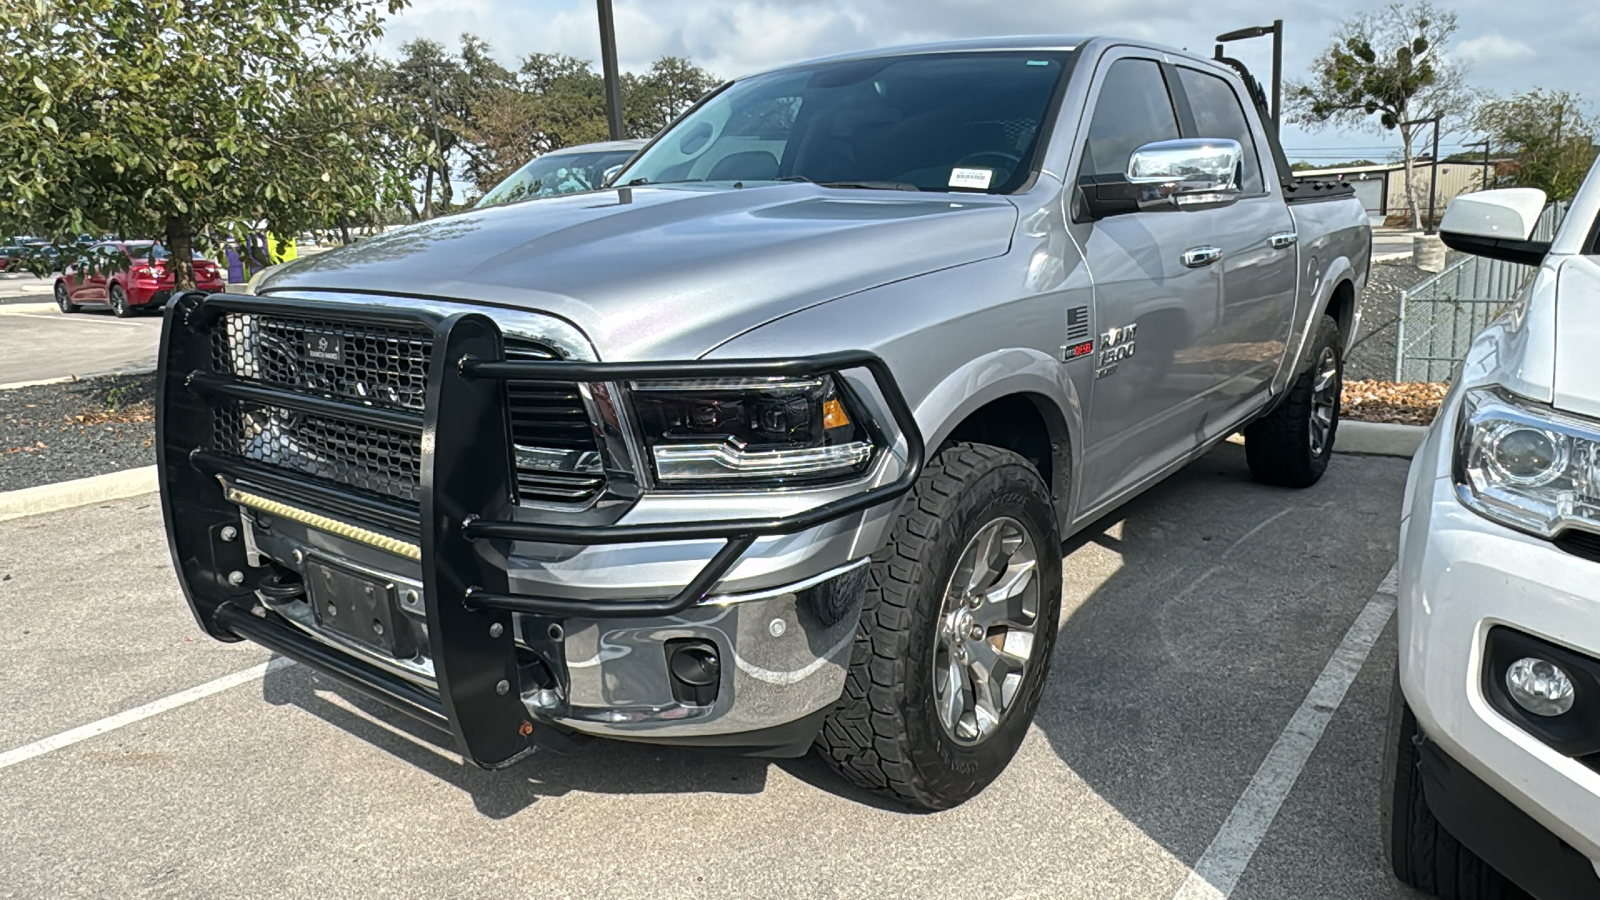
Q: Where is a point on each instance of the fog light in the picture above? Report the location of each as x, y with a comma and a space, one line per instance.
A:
1540, 687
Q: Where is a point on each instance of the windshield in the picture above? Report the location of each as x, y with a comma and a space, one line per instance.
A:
564, 173
936, 122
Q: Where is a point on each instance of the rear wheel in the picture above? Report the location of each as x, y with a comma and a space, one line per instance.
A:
1421, 853
119, 302
956, 630
1291, 445
64, 299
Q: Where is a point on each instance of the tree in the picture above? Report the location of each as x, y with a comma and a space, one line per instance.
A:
559, 101
179, 119
1547, 133
1388, 72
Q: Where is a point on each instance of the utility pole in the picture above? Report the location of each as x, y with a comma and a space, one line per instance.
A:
1429, 223
1485, 145
608, 65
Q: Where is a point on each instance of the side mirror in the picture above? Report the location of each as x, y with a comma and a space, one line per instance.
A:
1496, 224
610, 174
1186, 174
1182, 174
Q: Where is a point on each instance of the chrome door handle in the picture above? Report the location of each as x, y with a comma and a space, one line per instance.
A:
1283, 240
1201, 256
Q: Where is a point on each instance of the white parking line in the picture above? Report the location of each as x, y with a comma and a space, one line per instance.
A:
138, 713
1217, 873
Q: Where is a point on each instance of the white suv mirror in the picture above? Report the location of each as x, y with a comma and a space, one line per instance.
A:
1496, 224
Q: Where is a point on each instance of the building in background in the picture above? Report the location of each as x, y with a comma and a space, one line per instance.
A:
1382, 186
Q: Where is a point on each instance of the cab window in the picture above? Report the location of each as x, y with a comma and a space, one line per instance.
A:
1133, 109
1217, 114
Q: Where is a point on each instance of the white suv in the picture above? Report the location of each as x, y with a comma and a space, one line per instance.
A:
1492, 781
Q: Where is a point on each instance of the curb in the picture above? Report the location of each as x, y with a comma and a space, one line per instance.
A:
1379, 439
78, 492
65, 379
24, 308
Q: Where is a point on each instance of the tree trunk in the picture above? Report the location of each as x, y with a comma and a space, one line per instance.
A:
180, 251
1406, 136
427, 195
447, 191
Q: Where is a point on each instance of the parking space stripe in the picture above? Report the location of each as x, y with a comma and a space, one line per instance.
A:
138, 713
1217, 873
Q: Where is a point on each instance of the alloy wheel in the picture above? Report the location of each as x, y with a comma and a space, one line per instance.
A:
987, 627
1324, 400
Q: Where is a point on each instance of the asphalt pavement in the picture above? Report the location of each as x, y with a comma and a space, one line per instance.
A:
43, 344
1195, 621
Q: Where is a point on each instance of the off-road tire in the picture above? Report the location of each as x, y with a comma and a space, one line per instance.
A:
1277, 446
63, 299
885, 734
1422, 854
120, 307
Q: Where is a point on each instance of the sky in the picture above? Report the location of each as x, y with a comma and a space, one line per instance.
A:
1508, 46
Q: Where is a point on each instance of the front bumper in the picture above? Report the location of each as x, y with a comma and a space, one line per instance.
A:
599, 666
1462, 576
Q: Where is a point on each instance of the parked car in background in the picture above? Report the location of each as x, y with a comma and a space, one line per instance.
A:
565, 171
46, 253
772, 444
127, 276
1492, 779
9, 255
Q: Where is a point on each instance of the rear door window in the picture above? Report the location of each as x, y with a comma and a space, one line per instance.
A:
1133, 109
1218, 114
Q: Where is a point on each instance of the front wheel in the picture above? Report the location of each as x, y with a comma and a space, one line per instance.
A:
956, 629
1421, 853
63, 299
1291, 445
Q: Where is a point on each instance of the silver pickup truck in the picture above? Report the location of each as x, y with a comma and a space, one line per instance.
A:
774, 442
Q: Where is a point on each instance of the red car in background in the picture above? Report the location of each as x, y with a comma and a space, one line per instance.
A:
140, 279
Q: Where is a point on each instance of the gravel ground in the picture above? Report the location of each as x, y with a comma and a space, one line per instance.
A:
57, 432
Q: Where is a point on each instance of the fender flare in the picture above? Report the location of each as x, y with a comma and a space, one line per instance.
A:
1004, 373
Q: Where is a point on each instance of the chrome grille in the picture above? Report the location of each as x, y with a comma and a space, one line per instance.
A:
384, 366
557, 458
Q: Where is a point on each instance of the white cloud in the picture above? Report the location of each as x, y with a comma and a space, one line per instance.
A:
1495, 49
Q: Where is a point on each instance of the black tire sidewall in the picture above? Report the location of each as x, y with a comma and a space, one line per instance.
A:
122, 309
952, 771
63, 302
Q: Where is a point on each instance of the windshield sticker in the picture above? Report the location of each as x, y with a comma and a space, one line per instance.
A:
975, 179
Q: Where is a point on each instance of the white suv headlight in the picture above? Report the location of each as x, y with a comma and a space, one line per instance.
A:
1525, 465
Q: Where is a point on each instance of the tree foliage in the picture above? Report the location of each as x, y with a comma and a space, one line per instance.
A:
1549, 135
1387, 71
173, 119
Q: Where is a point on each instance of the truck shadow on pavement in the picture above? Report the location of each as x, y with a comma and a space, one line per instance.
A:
1194, 620
601, 767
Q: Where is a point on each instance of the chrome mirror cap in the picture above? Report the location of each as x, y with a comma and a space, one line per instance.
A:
1187, 174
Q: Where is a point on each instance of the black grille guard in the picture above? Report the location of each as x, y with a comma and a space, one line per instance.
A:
467, 498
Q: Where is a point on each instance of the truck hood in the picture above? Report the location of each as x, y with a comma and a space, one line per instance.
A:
668, 272
1576, 387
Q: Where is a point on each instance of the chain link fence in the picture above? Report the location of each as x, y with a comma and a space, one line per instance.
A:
1440, 316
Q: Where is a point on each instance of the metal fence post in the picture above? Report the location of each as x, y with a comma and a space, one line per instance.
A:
1400, 336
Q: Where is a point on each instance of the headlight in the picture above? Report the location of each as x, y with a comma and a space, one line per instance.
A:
1526, 465
750, 431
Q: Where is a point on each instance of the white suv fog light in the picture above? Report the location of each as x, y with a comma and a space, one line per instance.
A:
1540, 687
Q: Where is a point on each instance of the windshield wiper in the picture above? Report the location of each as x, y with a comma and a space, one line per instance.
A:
872, 185
861, 185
